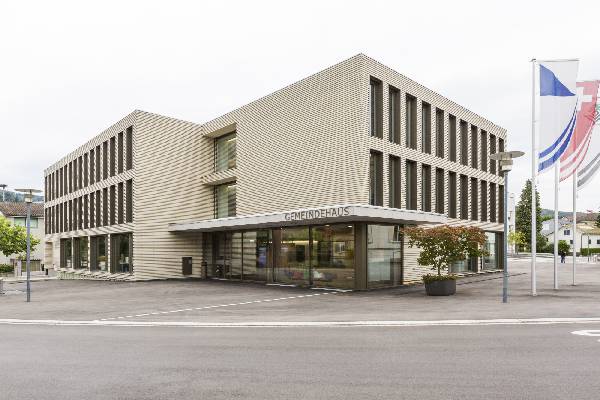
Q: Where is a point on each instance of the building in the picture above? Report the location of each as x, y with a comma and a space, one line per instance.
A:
16, 213
588, 234
309, 185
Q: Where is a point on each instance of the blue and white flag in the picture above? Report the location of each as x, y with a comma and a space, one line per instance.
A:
558, 109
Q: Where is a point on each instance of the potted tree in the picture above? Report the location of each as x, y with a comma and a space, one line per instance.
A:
442, 246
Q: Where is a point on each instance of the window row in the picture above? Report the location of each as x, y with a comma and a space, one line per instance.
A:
92, 253
109, 158
109, 206
475, 144
467, 197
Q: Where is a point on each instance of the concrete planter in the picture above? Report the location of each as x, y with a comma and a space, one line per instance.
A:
446, 287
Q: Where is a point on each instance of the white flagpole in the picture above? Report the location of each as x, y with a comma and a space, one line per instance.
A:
533, 182
556, 181
574, 223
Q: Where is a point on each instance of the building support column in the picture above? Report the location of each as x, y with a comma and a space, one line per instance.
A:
360, 256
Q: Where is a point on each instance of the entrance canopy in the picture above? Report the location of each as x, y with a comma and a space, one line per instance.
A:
308, 216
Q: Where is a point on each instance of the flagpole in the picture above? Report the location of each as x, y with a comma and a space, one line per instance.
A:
574, 223
556, 181
533, 183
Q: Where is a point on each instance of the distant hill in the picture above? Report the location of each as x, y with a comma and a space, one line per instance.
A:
15, 196
581, 216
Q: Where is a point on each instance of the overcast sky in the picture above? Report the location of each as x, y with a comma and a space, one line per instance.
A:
71, 69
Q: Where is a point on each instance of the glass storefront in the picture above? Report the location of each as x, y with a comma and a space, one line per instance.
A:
122, 257
384, 255
98, 253
293, 264
333, 256
66, 253
490, 261
80, 246
256, 255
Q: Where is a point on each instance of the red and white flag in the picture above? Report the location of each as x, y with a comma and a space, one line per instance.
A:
587, 93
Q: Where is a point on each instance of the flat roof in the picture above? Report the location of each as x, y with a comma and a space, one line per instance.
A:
308, 216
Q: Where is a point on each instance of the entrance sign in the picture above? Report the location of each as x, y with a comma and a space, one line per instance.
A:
330, 212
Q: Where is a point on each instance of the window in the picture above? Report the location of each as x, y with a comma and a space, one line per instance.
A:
225, 152
464, 143
376, 179
500, 150
452, 194
92, 210
129, 201
452, 139
426, 188
411, 121
85, 212
411, 185
69, 188
120, 203
484, 201
129, 144
493, 215
567, 231
597, 241
426, 128
105, 207
113, 156
92, 165
22, 221
439, 190
85, 170
70, 211
483, 142
384, 255
394, 111
474, 138
474, 199
98, 163
80, 172
395, 180
120, 151
376, 108
501, 203
105, 160
439, 133
80, 213
113, 210
464, 197
225, 200
98, 209
332, 256
492, 151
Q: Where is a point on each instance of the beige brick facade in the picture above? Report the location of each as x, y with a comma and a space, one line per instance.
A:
304, 146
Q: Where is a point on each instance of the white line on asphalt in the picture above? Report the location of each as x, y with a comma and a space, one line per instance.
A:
297, 324
217, 306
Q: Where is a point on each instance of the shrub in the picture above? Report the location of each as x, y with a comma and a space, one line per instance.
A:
6, 269
585, 251
433, 278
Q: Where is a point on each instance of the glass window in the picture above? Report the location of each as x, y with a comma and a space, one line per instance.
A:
124, 252
82, 252
464, 143
411, 185
439, 129
426, 188
66, 253
452, 139
225, 152
235, 271
22, 221
411, 121
376, 110
257, 255
225, 200
384, 255
333, 256
294, 258
99, 253
395, 190
425, 128
491, 260
394, 111
376, 179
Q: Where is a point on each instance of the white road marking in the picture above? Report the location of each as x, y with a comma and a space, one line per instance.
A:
217, 306
342, 324
588, 332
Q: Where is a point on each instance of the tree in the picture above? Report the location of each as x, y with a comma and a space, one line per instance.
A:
523, 217
563, 247
443, 245
13, 239
598, 220
517, 239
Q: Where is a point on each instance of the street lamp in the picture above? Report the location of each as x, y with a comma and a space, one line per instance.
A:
506, 162
3, 187
28, 199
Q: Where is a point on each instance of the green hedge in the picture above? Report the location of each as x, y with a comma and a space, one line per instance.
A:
586, 251
6, 269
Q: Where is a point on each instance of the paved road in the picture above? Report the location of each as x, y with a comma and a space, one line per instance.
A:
472, 362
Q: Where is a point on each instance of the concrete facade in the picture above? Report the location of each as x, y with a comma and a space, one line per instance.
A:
305, 146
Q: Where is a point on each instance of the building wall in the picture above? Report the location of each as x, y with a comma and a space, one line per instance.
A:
38, 253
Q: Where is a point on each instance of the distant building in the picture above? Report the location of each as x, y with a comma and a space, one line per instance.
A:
16, 213
588, 235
